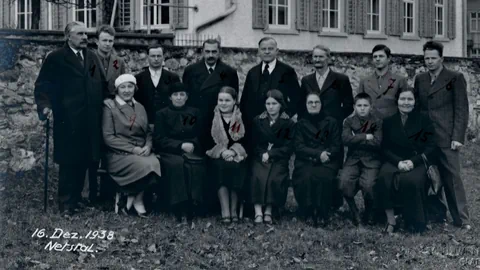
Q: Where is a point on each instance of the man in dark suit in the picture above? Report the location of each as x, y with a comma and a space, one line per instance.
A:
153, 83
383, 84
271, 73
112, 67
71, 86
335, 93
204, 80
443, 96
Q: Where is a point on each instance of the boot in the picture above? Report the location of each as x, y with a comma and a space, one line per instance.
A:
368, 215
353, 210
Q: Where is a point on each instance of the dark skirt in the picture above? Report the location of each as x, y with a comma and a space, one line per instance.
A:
138, 186
183, 181
313, 185
404, 190
227, 173
269, 182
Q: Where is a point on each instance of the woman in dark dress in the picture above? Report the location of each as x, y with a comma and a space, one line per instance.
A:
402, 180
318, 158
273, 146
128, 139
176, 141
227, 164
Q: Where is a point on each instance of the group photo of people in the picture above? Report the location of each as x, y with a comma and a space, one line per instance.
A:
198, 145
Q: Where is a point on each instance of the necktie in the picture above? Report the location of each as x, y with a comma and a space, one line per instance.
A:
433, 79
210, 70
266, 74
80, 58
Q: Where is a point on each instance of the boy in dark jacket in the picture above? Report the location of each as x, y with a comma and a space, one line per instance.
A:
362, 134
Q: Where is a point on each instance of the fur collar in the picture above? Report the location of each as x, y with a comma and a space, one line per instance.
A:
122, 102
283, 115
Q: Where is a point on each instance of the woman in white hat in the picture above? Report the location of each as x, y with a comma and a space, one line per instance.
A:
130, 161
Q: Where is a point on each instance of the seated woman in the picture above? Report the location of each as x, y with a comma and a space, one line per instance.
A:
318, 158
402, 179
128, 138
273, 146
227, 164
176, 132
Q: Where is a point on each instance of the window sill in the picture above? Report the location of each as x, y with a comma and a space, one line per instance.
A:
407, 37
281, 31
441, 39
375, 36
332, 34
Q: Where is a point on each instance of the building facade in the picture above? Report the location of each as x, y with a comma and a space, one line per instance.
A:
473, 29
343, 25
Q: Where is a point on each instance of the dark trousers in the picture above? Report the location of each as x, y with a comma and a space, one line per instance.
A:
355, 177
449, 167
70, 183
92, 181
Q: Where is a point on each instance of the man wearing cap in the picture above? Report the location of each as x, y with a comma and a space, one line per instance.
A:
71, 87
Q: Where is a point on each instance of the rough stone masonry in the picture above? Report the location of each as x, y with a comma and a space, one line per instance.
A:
22, 137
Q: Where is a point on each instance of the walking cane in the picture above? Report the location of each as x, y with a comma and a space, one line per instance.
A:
45, 189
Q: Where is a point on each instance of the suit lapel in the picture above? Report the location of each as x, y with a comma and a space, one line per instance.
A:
214, 78
442, 80
372, 83
72, 60
257, 74
328, 81
312, 81
110, 68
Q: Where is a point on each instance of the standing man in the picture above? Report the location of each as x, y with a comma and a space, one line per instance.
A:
112, 67
336, 96
382, 85
443, 96
72, 86
153, 83
204, 80
271, 73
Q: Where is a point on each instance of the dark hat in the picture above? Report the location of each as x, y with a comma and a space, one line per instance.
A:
176, 87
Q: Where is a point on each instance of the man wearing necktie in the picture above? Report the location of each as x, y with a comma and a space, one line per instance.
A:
72, 87
335, 93
443, 97
153, 83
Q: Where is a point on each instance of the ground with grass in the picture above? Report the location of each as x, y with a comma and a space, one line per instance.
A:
160, 243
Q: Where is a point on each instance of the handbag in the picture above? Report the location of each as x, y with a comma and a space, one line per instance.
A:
434, 176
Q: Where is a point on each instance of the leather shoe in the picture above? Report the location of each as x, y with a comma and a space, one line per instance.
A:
466, 227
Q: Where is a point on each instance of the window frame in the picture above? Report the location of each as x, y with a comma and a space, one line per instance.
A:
27, 14
477, 22
380, 24
443, 6
49, 23
475, 55
339, 17
413, 18
155, 26
86, 10
290, 10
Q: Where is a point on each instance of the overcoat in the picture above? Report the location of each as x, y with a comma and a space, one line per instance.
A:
116, 67
313, 135
75, 93
124, 128
269, 181
173, 127
154, 98
203, 90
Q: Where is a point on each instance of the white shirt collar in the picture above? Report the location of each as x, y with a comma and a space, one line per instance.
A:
271, 65
75, 51
155, 72
324, 76
122, 102
211, 66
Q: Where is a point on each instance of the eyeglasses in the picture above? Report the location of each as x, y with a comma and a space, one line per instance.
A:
310, 103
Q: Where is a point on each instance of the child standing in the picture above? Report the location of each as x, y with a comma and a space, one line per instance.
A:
362, 134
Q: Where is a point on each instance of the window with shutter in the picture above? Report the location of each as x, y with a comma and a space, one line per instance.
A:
451, 33
179, 14
315, 15
409, 17
357, 16
124, 13
279, 14
259, 16
373, 16
23, 14
426, 18
439, 18
474, 22
302, 14
331, 15
394, 17
85, 11
159, 15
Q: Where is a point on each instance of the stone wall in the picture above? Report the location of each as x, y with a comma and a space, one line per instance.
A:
22, 137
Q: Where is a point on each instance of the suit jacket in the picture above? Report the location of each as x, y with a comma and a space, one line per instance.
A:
151, 97
410, 141
115, 68
383, 98
283, 78
354, 136
313, 135
204, 87
75, 94
125, 128
336, 94
446, 103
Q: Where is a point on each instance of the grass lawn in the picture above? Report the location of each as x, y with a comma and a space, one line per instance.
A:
159, 243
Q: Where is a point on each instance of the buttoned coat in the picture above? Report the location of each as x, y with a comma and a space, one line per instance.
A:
354, 136
336, 94
75, 93
383, 96
446, 103
115, 68
154, 98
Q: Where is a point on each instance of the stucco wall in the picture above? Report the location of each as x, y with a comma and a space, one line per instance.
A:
22, 138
